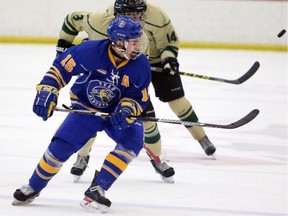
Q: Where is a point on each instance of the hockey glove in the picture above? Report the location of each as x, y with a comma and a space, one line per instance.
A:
45, 101
121, 115
62, 46
170, 65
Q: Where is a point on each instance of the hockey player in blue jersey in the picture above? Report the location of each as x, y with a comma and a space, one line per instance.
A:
114, 77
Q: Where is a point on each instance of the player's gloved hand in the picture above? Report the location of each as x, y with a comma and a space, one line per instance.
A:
62, 46
170, 65
121, 115
45, 101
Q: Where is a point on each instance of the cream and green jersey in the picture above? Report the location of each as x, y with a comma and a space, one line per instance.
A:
162, 37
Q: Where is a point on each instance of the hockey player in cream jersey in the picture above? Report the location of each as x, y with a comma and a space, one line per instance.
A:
163, 52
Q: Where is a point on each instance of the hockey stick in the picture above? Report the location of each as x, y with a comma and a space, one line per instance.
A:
246, 119
240, 80
86, 112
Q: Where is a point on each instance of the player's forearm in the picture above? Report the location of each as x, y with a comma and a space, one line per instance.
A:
169, 51
67, 37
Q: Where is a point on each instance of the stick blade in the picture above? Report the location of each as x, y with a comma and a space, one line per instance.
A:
245, 120
249, 73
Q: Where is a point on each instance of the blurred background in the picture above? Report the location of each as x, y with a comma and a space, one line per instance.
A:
219, 38
241, 24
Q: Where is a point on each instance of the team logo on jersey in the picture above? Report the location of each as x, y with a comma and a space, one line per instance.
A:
102, 94
114, 77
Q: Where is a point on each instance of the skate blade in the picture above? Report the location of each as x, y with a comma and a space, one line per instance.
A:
16, 202
169, 180
213, 156
93, 206
76, 178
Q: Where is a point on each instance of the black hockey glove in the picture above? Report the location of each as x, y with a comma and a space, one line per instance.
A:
170, 65
62, 46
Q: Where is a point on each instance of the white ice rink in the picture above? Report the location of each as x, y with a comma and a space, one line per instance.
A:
249, 177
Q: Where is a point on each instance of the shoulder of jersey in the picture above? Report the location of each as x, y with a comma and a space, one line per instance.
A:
92, 46
155, 16
100, 20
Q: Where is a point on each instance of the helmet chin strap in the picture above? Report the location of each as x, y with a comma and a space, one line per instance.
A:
119, 49
131, 56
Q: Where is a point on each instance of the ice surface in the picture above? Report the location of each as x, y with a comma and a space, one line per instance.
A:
249, 176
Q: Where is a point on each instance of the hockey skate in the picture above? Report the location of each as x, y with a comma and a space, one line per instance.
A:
166, 172
207, 146
79, 167
24, 195
158, 162
95, 200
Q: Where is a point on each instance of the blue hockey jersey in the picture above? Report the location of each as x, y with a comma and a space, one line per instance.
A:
100, 85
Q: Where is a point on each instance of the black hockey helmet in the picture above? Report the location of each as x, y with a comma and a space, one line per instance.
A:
122, 7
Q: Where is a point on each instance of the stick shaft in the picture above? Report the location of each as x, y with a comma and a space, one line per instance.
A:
246, 119
240, 80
